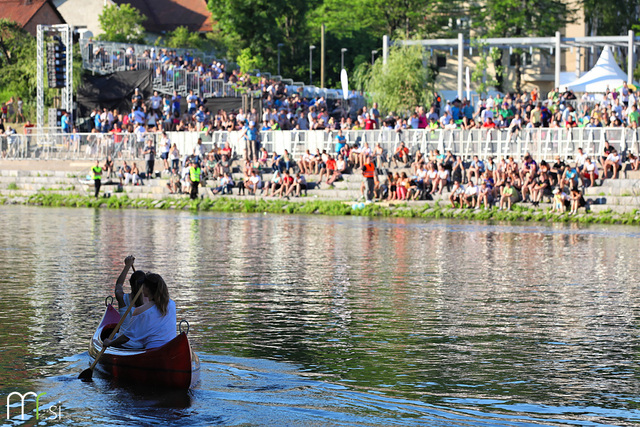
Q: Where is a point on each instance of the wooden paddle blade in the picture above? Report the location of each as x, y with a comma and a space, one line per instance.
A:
86, 375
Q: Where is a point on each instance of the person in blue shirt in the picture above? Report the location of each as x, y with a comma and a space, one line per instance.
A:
191, 102
65, 122
341, 142
175, 102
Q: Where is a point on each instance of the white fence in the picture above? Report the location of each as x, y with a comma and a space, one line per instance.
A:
542, 143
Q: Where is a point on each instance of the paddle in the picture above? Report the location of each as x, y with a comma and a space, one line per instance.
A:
88, 373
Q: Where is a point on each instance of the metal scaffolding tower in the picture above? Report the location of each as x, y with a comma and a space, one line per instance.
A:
65, 33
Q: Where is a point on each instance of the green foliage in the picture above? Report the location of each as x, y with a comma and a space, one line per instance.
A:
122, 24
519, 18
479, 75
254, 28
249, 62
611, 17
403, 82
182, 37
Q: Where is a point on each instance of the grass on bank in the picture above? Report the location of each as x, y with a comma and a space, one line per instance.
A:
319, 207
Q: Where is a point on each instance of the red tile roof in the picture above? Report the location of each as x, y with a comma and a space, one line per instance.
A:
167, 15
23, 11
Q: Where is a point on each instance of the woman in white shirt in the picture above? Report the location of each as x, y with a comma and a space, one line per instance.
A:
154, 323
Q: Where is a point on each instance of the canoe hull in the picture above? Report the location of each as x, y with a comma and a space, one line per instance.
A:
174, 365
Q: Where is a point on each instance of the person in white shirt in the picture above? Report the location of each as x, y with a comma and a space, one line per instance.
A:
165, 147
580, 159
153, 324
470, 195
155, 102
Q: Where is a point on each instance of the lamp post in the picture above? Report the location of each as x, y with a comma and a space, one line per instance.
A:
311, 47
373, 56
342, 51
279, 46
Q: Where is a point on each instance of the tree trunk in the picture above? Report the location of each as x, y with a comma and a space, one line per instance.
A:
499, 71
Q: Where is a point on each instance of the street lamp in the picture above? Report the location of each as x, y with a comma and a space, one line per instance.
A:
311, 64
279, 46
373, 56
342, 51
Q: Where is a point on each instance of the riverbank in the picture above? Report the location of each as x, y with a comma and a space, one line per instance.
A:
65, 183
308, 206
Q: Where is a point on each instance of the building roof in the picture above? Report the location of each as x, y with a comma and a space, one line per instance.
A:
167, 15
23, 11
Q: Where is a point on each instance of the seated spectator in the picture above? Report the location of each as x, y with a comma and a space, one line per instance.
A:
299, 184
401, 154
174, 184
457, 194
484, 196
272, 186
508, 196
476, 168
340, 168
577, 201
589, 173
613, 161
470, 195
254, 183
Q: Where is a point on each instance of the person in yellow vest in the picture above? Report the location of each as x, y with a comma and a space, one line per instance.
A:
194, 178
96, 172
371, 178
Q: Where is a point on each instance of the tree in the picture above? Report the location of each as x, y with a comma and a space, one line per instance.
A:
479, 74
519, 18
403, 82
260, 25
182, 37
610, 17
18, 62
122, 24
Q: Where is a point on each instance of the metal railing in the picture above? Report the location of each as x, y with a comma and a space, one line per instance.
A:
541, 143
108, 57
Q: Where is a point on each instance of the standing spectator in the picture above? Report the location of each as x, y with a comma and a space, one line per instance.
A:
156, 103
65, 122
165, 148
192, 102
194, 179
175, 103
174, 156
369, 174
150, 158
96, 173
136, 99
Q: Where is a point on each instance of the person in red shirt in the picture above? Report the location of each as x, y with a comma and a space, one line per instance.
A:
489, 124
287, 182
329, 169
369, 122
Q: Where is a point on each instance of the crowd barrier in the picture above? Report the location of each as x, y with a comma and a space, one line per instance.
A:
541, 143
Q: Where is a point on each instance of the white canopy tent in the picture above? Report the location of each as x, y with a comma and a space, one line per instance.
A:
605, 74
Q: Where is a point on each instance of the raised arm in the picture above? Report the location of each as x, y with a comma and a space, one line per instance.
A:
128, 263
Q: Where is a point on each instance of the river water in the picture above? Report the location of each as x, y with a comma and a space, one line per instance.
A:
303, 320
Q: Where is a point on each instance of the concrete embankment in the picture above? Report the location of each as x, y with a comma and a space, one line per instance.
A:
64, 183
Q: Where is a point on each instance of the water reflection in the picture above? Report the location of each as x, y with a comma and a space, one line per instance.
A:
478, 320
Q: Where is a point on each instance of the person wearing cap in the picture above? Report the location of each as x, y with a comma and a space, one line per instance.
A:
136, 99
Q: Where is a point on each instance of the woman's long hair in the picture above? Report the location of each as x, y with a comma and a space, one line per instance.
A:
155, 283
136, 281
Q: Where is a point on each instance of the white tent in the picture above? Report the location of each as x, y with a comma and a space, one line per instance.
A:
605, 74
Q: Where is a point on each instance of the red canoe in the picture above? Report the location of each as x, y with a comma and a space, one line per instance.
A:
174, 365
